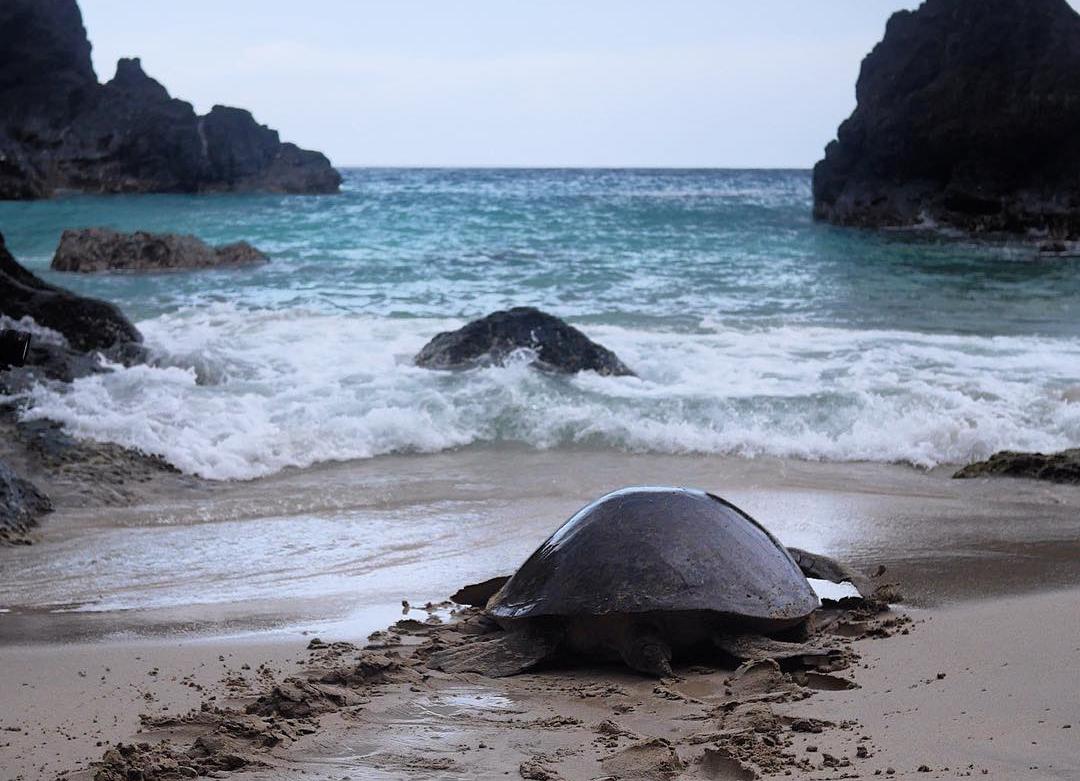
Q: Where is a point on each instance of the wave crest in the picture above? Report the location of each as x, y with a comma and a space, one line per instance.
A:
238, 394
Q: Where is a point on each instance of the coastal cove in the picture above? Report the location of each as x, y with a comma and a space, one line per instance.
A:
525, 466
753, 330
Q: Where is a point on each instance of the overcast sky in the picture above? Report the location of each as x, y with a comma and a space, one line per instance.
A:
739, 83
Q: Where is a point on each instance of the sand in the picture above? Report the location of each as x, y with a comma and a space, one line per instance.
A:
63, 702
981, 686
986, 685
180, 589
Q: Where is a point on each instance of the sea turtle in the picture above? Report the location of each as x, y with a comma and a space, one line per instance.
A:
645, 574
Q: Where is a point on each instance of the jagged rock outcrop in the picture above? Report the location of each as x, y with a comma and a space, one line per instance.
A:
101, 249
558, 346
1063, 467
67, 332
86, 323
21, 504
83, 326
62, 130
969, 116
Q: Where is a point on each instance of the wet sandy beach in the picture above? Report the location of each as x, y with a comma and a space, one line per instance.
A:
184, 588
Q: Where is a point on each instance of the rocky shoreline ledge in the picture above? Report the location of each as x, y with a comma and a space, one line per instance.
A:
21, 504
1063, 467
64, 131
42, 469
39, 463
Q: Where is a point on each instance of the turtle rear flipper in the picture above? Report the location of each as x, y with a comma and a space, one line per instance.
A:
756, 648
503, 654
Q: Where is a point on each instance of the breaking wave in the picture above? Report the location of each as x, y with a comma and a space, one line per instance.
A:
236, 393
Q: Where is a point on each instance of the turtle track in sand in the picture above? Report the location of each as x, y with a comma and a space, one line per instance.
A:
382, 710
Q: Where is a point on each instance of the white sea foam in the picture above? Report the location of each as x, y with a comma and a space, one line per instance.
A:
39, 332
238, 394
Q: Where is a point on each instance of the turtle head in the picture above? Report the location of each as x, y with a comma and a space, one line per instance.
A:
644, 651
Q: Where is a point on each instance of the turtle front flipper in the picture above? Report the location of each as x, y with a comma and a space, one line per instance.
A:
478, 594
498, 656
647, 653
815, 565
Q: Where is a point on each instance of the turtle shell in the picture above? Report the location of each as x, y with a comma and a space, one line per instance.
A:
642, 550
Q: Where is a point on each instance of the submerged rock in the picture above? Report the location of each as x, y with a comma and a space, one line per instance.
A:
86, 323
101, 249
21, 504
1063, 467
63, 130
558, 346
967, 115
46, 360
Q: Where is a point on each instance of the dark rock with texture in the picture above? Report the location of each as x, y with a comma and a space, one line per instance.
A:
1063, 467
87, 326
558, 346
102, 249
62, 130
968, 115
54, 362
14, 347
21, 504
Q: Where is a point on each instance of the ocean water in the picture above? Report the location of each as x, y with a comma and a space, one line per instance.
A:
754, 331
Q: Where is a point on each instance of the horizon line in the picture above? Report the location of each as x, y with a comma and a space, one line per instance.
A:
517, 167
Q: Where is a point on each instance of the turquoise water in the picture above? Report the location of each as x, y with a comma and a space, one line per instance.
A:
753, 329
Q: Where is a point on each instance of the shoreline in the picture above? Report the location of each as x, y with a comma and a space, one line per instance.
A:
333, 545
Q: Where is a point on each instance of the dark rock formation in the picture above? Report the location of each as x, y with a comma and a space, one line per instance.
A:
66, 334
968, 115
62, 130
86, 323
21, 504
14, 348
101, 249
559, 347
1063, 467
50, 361
78, 472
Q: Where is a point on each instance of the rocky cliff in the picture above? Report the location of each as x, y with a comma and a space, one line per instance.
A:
62, 130
968, 115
